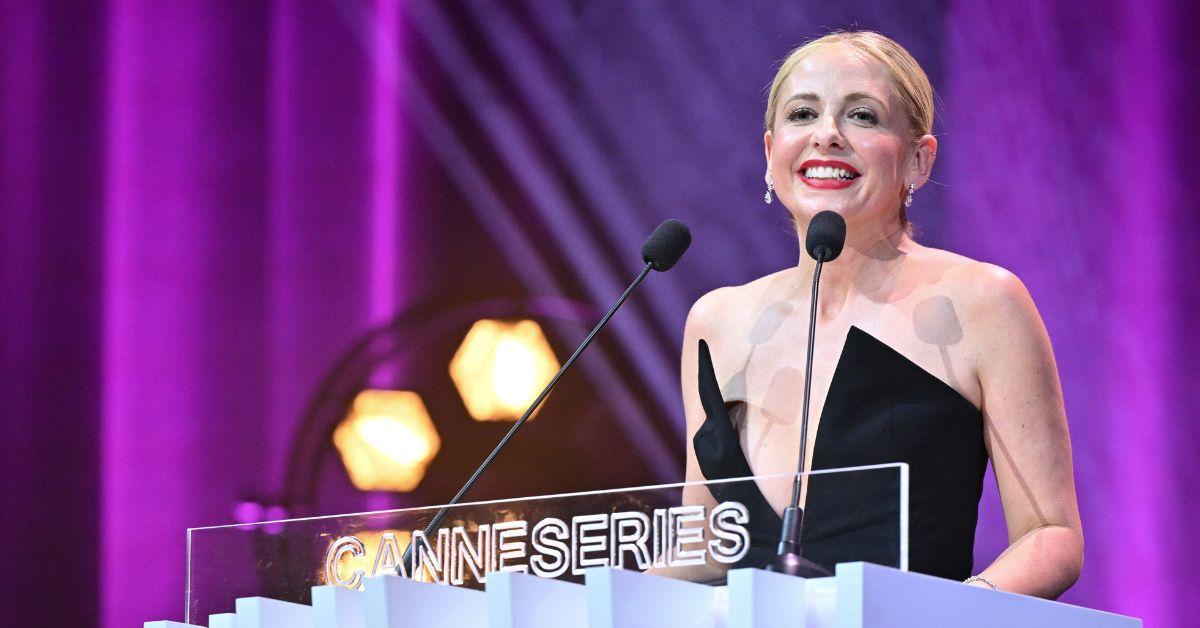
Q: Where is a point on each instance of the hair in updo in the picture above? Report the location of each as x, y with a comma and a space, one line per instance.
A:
909, 82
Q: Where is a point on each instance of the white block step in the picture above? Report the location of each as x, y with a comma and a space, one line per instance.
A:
167, 624
870, 596
762, 599
261, 612
335, 607
396, 602
820, 595
617, 598
222, 620
518, 600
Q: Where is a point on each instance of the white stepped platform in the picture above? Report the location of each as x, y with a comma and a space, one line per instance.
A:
517, 600
861, 595
335, 607
261, 612
626, 599
396, 602
873, 596
761, 599
222, 620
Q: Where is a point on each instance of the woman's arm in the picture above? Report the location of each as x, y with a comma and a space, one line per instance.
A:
1025, 430
697, 327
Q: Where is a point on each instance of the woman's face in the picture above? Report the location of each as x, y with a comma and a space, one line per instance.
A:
841, 140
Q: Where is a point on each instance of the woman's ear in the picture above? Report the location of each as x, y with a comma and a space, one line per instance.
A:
922, 165
767, 151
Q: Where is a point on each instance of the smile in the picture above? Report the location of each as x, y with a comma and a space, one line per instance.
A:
827, 174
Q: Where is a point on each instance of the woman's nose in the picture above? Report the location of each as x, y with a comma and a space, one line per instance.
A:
827, 134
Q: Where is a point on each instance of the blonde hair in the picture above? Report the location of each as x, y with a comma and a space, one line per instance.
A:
909, 81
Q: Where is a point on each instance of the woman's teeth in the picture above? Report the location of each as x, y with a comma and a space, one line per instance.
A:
825, 172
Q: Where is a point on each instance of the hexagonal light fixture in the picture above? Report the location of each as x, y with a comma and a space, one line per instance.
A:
386, 440
500, 367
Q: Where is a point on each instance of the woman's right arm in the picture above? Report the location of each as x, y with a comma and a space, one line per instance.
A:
698, 326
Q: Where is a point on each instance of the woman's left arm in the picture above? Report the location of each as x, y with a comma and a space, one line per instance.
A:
1025, 431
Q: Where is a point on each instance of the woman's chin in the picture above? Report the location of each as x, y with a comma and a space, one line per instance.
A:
804, 212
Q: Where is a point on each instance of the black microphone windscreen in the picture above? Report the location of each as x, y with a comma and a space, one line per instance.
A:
666, 245
826, 236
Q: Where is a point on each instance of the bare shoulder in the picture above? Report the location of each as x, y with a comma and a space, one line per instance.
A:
980, 290
728, 308
998, 315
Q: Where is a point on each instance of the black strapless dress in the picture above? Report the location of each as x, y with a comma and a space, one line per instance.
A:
880, 408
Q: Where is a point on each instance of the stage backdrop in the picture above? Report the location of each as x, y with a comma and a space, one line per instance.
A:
206, 203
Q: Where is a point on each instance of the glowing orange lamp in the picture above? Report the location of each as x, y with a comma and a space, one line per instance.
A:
386, 440
500, 367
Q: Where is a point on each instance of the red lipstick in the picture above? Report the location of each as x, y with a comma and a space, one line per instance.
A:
828, 184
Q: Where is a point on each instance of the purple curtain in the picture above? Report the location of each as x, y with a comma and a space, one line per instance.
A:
206, 203
1066, 164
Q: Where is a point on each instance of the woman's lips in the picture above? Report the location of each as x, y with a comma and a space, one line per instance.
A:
827, 184
832, 183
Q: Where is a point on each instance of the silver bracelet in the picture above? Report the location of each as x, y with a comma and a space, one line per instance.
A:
983, 580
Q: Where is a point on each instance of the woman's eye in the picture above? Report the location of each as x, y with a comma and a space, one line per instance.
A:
864, 115
801, 114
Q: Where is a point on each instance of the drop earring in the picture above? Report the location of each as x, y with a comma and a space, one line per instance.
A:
912, 187
770, 188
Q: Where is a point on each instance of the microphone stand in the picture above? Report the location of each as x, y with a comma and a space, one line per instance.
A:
787, 559
441, 514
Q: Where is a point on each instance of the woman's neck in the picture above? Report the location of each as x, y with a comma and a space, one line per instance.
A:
866, 266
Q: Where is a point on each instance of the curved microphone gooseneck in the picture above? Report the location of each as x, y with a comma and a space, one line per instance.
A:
661, 250
824, 240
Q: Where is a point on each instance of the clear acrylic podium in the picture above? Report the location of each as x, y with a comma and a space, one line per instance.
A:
669, 555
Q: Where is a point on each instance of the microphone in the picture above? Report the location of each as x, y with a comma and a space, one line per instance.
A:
666, 245
826, 236
661, 250
824, 240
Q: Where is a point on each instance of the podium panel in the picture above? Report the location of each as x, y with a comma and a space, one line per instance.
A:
860, 595
696, 531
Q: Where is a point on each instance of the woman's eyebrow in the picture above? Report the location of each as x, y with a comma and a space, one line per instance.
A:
864, 96
809, 96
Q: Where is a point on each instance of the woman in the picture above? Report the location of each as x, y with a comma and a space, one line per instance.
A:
940, 361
